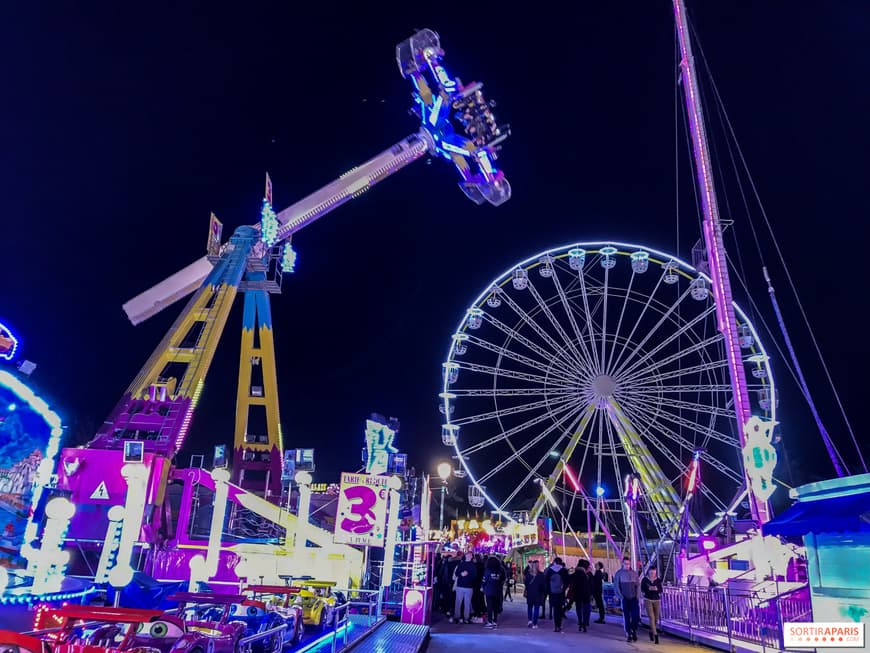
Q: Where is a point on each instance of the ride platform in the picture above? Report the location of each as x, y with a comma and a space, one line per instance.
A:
392, 636
369, 636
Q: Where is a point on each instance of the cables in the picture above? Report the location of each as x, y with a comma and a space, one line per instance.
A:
835, 457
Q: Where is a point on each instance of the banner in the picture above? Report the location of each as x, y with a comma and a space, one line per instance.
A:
215, 231
362, 510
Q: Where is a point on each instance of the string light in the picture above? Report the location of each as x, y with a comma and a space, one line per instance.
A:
288, 259
268, 224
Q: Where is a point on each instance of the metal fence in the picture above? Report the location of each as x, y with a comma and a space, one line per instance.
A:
746, 616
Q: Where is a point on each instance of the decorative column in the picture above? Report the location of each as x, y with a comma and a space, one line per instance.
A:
136, 476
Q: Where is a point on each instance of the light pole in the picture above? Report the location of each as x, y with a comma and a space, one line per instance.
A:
444, 472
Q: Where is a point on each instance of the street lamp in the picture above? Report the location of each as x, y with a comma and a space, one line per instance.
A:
444, 471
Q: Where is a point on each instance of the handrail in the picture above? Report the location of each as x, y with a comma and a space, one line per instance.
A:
746, 615
244, 641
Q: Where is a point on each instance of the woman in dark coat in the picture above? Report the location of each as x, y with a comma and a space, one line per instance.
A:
535, 592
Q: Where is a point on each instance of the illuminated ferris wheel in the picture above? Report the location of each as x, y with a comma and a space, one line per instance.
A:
604, 358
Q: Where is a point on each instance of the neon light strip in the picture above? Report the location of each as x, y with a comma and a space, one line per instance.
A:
38, 405
324, 638
571, 476
436, 110
28, 599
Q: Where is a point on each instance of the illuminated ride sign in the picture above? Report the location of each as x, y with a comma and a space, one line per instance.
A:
361, 516
379, 446
759, 456
8, 343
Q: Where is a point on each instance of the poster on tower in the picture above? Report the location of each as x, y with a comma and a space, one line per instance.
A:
362, 510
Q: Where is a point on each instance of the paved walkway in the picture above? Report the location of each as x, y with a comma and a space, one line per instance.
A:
513, 636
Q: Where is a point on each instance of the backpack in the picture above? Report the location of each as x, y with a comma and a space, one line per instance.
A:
556, 586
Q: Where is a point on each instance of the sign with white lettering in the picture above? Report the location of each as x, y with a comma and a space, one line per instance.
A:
362, 510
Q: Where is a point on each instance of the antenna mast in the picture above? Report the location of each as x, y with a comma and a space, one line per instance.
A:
727, 321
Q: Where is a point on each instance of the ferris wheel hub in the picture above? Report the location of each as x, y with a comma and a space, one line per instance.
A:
603, 386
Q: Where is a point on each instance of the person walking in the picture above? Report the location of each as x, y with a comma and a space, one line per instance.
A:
448, 582
493, 586
465, 578
651, 588
581, 589
478, 602
598, 580
535, 591
626, 584
557, 581
509, 581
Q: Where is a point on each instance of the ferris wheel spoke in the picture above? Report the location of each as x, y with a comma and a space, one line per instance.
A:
607, 363
665, 318
644, 414
642, 460
515, 429
513, 410
694, 427
511, 392
517, 453
510, 374
600, 465
674, 460
519, 358
569, 311
589, 323
534, 470
652, 389
529, 321
652, 374
699, 347
720, 505
578, 431
620, 485
715, 411
679, 332
578, 358
604, 296
529, 344
637, 323
686, 371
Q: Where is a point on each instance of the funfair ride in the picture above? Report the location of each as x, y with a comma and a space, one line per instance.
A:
118, 482
571, 384
592, 372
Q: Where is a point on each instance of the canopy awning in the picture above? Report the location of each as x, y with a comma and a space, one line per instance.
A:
843, 514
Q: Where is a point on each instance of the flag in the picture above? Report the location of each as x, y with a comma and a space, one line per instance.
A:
268, 194
215, 231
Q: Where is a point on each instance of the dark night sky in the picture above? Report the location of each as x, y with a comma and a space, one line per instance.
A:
123, 128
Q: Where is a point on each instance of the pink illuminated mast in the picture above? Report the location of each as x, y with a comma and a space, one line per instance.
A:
727, 322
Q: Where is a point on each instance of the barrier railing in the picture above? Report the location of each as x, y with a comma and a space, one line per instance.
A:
743, 615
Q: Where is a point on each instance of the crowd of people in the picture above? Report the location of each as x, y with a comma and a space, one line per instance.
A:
470, 587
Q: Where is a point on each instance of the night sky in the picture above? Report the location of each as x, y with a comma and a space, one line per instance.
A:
122, 130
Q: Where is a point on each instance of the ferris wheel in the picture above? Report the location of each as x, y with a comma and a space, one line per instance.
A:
603, 358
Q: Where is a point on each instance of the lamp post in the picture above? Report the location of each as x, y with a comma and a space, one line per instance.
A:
444, 472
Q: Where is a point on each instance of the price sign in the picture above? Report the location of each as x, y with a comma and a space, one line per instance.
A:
362, 510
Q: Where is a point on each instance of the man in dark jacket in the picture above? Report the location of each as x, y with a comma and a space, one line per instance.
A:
466, 579
556, 581
626, 585
581, 586
598, 581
